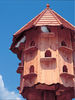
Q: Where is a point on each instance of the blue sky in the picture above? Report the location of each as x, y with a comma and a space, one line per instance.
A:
13, 15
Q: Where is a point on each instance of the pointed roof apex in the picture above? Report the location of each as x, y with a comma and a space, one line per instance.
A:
47, 5
46, 17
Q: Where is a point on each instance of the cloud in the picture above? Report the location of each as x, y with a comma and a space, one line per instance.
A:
5, 94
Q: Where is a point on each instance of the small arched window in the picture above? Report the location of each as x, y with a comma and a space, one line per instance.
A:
31, 69
63, 43
65, 68
48, 53
32, 43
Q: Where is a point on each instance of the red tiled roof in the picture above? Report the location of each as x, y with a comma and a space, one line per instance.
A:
46, 17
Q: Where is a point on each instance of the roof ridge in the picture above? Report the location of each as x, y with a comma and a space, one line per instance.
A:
55, 16
42, 13
63, 19
28, 23
49, 12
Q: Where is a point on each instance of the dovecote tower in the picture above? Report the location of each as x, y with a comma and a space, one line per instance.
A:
46, 48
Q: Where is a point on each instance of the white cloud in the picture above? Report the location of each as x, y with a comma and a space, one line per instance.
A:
5, 94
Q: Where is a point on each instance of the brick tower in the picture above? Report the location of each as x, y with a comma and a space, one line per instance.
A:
46, 48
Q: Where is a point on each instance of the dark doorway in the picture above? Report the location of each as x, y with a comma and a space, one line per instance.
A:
48, 53
32, 43
31, 69
63, 43
65, 68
